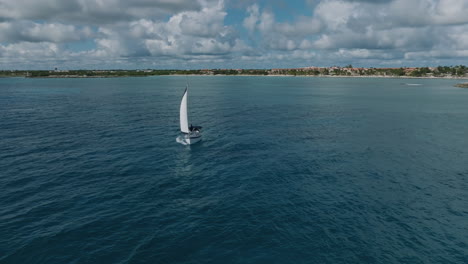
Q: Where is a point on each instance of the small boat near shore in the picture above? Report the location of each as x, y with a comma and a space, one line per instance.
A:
412, 84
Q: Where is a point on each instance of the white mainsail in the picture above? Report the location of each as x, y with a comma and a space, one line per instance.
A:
183, 113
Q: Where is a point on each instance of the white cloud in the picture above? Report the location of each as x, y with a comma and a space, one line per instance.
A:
168, 33
436, 54
280, 36
184, 35
250, 22
16, 31
28, 49
390, 29
93, 11
335, 14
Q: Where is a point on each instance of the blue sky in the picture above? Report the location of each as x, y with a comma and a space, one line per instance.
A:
192, 34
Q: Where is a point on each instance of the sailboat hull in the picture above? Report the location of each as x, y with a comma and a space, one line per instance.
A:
189, 139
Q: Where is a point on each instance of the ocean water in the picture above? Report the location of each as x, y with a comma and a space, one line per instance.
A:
290, 170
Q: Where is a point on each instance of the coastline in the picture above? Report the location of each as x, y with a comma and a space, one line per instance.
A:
79, 77
240, 75
330, 76
440, 72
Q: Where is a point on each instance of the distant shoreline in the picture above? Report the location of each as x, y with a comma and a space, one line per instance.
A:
240, 75
324, 76
440, 72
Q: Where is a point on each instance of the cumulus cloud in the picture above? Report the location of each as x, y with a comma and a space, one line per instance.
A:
186, 33
17, 31
251, 21
92, 11
380, 30
29, 49
217, 33
280, 36
193, 32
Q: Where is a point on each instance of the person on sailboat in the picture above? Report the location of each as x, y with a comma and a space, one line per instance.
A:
194, 128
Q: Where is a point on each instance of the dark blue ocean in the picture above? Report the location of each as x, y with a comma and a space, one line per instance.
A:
290, 170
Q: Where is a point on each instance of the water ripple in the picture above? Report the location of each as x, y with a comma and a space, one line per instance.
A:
290, 170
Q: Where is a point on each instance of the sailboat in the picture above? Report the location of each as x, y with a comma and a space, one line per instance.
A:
191, 134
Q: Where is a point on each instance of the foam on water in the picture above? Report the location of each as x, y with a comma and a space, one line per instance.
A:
181, 140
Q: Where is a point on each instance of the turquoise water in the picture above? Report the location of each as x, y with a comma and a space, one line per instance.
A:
290, 170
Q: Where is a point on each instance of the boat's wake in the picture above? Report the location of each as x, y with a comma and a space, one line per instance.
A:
181, 140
